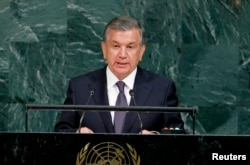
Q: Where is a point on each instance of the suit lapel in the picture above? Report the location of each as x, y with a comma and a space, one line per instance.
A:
142, 89
100, 97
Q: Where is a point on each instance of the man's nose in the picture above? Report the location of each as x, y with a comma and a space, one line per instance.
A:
123, 52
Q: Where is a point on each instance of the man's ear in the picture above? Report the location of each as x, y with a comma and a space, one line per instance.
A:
103, 46
142, 50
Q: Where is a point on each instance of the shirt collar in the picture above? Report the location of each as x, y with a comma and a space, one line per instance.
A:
112, 79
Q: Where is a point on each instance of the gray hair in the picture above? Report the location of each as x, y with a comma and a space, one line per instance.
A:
123, 23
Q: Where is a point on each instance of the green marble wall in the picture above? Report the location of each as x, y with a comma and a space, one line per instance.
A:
203, 45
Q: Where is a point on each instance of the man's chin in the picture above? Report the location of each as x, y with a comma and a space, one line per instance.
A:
122, 72
122, 68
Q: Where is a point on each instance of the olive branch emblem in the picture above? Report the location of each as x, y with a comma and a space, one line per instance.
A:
135, 158
82, 155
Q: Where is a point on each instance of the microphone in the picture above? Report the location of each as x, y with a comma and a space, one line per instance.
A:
91, 93
131, 92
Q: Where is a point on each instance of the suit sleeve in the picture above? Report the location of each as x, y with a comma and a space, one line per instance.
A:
172, 120
69, 120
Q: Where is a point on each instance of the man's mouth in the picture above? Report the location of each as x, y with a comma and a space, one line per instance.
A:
121, 63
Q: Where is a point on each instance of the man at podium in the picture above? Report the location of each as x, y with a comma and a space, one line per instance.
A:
122, 82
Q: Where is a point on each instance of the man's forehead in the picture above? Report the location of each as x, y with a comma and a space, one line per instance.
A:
116, 34
113, 41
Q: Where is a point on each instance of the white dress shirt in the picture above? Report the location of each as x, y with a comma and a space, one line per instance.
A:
113, 90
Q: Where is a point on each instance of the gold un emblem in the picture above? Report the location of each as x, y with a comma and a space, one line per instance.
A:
107, 153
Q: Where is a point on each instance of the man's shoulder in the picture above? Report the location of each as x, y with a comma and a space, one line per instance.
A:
89, 75
152, 76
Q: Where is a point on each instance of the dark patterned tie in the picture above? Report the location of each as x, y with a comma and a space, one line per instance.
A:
121, 101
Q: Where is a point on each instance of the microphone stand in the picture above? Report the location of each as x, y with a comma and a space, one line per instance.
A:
91, 93
139, 117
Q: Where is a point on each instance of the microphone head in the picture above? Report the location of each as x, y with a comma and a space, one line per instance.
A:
131, 92
92, 92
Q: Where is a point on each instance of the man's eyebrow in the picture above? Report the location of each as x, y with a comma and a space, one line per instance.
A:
114, 41
131, 43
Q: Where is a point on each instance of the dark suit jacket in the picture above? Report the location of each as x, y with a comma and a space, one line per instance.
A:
150, 89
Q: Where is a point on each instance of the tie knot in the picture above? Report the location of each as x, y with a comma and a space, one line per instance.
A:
120, 85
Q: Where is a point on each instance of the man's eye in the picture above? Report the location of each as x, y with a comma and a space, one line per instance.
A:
130, 47
116, 46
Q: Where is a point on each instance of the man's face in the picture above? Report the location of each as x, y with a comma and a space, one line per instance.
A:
123, 50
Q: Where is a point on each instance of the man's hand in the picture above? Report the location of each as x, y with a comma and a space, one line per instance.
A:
85, 130
146, 132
